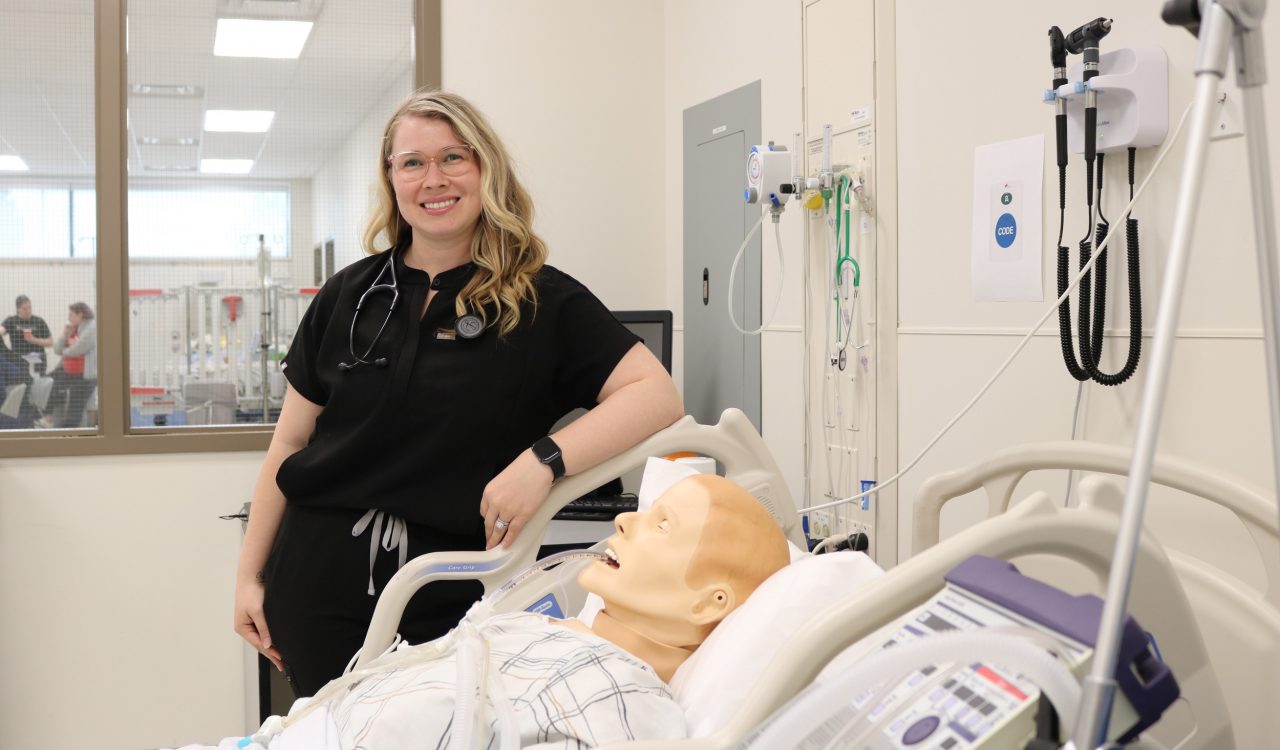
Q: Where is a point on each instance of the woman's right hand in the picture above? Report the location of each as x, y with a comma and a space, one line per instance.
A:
251, 623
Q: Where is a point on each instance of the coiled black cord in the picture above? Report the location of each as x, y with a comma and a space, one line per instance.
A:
1135, 300
1092, 291
1064, 309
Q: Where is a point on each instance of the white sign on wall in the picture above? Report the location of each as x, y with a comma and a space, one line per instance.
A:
1006, 241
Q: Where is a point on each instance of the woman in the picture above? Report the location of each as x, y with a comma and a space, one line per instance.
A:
77, 373
422, 382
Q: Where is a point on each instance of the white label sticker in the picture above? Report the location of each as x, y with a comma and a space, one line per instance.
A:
860, 116
866, 224
864, 137
719, 130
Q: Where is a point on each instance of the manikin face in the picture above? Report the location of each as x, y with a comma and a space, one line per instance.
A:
24, 310
442, 209
653, 550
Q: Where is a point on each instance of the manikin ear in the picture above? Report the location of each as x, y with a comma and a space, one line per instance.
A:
711, 604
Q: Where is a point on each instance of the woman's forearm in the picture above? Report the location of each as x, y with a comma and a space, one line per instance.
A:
630, 414
265, 513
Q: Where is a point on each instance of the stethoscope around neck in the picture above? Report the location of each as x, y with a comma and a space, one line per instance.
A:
468, 326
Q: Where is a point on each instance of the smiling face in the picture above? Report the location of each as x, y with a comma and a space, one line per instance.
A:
441, 209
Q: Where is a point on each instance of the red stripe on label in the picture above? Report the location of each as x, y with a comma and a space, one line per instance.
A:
1002, 683
139, 390
145, 292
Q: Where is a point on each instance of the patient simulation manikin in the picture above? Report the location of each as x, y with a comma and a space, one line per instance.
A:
680, 569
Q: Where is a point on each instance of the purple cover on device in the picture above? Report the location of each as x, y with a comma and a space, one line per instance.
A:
1145, 680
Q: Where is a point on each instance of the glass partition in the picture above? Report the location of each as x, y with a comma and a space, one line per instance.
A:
47, 276
253, 139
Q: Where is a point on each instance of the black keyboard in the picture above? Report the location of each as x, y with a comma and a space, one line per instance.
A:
597, 508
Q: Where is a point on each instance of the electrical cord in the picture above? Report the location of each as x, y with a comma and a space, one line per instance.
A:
1155, 168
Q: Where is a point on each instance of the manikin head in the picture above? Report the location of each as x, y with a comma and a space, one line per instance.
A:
684, 565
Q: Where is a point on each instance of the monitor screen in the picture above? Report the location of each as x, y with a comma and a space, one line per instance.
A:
653, 327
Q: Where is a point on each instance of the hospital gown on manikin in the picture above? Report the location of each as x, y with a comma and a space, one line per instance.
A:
568, 690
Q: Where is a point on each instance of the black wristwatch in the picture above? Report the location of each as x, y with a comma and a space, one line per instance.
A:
549, 453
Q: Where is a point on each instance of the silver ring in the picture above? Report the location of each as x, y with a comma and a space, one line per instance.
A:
501, 524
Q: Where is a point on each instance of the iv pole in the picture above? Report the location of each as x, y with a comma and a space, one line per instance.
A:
1226, 28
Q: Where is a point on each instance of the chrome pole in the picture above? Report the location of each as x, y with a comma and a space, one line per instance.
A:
1094, 717
1252, 76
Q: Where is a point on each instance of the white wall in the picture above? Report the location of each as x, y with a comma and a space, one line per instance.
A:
342, 189
574, 89
950, 344
116, 581
711, 47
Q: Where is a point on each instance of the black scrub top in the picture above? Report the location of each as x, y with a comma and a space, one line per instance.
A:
421, 436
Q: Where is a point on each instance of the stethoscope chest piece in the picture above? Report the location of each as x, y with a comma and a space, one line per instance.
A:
469, 326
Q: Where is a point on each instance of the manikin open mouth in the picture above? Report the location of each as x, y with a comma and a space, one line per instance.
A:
613, 558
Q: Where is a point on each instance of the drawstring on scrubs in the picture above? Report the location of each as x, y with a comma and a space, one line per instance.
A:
394, 535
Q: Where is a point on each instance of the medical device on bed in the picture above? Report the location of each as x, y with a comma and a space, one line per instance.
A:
899, 696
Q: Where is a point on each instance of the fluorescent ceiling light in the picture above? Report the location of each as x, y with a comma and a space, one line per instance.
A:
164, 89
226, 166
243, 37
11, 163
151, 140
238, 120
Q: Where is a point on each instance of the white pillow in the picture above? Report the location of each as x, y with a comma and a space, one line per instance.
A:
712, 683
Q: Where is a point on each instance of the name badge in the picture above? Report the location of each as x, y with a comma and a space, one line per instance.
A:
446, 334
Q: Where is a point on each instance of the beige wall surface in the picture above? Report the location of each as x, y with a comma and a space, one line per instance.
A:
574, 89
712, 47
116, 581
951, 344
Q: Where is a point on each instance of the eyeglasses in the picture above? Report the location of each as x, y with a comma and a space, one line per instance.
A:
413, 165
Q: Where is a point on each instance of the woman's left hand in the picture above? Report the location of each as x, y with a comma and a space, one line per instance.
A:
514, 496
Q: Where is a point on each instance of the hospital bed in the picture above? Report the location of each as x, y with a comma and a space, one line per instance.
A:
1221, 638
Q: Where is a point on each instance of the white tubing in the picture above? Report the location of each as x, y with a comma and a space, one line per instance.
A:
1018, 653
504, 712
466, 704
782, 275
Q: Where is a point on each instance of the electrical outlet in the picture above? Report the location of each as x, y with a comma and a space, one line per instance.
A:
820, 524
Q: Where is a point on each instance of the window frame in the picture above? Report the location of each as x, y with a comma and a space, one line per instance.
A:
114, 435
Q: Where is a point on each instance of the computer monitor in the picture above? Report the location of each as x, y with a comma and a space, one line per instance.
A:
653, 327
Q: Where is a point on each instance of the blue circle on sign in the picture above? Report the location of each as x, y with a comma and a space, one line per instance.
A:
1006, 230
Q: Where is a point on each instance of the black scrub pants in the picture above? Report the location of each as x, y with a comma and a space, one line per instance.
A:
317, 601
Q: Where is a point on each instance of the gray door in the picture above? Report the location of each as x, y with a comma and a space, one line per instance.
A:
721, 366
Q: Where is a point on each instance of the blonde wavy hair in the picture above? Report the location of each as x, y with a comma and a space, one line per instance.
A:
505, 249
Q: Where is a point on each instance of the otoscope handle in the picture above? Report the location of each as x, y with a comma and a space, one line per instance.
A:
1090, 133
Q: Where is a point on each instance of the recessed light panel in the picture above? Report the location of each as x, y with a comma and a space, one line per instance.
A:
11, 163
226, 166
243, 37
238, 120
164, 89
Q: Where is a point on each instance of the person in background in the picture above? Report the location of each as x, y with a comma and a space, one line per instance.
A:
28, 334
77, 374
423, 383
